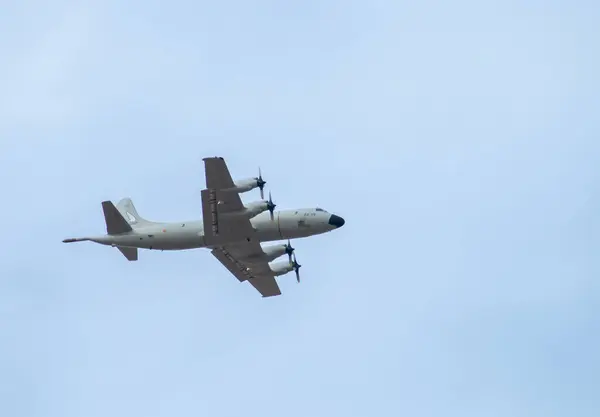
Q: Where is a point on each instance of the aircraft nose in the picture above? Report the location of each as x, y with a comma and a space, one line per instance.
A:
336, 221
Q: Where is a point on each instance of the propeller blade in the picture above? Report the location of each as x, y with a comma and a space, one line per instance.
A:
261, 184
296, 266
289, 250
271, 206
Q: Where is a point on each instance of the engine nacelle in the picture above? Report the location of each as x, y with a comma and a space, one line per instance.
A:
281, 268
274, 251
255, 208
269, 254
245, 185
250, 210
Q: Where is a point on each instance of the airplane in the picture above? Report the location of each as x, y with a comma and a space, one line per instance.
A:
233, 231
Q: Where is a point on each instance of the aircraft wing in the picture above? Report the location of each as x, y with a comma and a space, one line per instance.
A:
217, 174
216, 203
260, 276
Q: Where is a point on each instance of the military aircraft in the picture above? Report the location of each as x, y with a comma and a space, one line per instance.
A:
232, 230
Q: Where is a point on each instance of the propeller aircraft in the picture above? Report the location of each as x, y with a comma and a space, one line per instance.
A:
233, 231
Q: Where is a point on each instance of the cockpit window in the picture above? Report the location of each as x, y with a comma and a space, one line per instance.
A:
319, 209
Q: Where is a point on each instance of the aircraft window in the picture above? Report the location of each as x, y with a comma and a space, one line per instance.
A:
319, 209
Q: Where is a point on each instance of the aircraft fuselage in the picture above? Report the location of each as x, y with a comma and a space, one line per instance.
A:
286, 224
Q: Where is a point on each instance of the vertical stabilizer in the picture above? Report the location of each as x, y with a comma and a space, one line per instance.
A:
115, 223
128, 211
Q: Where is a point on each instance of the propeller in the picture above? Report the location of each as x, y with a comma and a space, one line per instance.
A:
271, 206
296, 267
261, 184
289, 250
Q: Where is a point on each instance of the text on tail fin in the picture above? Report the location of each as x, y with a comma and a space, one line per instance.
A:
129, 212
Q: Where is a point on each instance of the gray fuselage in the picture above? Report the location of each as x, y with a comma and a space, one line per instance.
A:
286, 224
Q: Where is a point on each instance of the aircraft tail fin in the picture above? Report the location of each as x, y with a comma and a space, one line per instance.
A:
115, 223
129, 212
130, 253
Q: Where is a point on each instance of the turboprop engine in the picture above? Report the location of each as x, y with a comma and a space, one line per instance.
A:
282, 268
253, 209
271, 253
247, 184
275, 251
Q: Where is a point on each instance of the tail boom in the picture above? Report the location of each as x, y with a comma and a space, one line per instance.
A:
76, 239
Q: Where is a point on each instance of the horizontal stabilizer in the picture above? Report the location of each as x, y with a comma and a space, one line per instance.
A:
130, 253
115, 223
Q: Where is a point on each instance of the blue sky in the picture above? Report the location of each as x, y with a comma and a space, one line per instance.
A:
459, 140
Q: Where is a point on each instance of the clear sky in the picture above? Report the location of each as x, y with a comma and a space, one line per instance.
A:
458, 139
